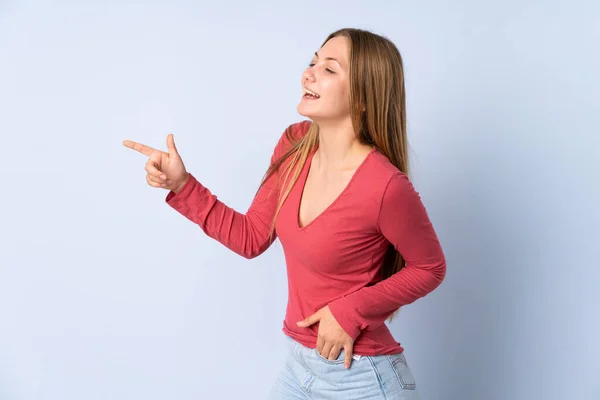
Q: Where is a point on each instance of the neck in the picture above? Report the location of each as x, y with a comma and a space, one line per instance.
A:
339, 147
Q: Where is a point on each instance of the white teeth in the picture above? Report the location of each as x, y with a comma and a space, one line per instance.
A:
311, 93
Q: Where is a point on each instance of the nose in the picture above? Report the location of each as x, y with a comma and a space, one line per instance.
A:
308, 75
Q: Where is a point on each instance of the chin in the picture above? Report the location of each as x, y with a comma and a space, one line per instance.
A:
318, 114
308, 113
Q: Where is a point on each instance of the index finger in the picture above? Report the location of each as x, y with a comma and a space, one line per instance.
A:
142, 148
348, 355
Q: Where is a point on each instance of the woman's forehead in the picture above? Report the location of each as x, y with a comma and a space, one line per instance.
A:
336, 48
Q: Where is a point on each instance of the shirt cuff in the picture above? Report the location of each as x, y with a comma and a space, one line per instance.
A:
338, 310
173, 197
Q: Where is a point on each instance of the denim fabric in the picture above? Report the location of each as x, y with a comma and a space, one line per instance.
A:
308, 375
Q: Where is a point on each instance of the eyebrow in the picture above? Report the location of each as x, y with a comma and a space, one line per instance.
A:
329, 58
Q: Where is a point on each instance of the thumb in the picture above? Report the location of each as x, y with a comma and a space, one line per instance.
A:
309, 320
171, 145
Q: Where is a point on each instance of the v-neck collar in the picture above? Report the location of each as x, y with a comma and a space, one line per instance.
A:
302, 183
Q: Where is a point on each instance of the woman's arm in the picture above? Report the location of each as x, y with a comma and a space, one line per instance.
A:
404, 222
245, 234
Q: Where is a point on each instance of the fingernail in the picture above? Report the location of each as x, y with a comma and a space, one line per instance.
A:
163, 177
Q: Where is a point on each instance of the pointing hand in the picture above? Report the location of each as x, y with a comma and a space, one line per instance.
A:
164, 170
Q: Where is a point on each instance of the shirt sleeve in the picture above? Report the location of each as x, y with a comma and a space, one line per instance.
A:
245, 234
404, 222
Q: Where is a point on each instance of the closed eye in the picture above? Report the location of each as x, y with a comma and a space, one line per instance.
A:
326, 69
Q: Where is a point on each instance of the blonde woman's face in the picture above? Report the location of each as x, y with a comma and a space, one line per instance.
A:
325, 83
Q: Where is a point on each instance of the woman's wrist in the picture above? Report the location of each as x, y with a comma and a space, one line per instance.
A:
182, 184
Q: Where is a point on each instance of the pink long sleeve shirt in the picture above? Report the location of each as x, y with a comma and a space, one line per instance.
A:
335, 259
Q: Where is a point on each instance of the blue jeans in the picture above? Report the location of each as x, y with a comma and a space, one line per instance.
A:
308, 375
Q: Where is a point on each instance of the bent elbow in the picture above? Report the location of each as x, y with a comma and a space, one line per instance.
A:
439, 272
254, 250
249, 255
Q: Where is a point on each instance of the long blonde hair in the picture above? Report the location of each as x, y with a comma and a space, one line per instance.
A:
377, 84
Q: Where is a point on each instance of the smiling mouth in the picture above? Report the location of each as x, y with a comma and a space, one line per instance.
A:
309, 94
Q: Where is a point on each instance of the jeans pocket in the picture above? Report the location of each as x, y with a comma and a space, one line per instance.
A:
403, 372
339, 360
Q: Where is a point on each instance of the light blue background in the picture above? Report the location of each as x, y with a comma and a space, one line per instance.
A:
108, 293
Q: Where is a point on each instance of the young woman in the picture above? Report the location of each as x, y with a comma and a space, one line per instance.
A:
357, 239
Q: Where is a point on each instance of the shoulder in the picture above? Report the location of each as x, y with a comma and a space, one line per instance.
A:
295, 132
391, 183
290, 136
399, 188
399, 200
383, 171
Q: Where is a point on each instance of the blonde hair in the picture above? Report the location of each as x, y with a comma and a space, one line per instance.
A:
377, 87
